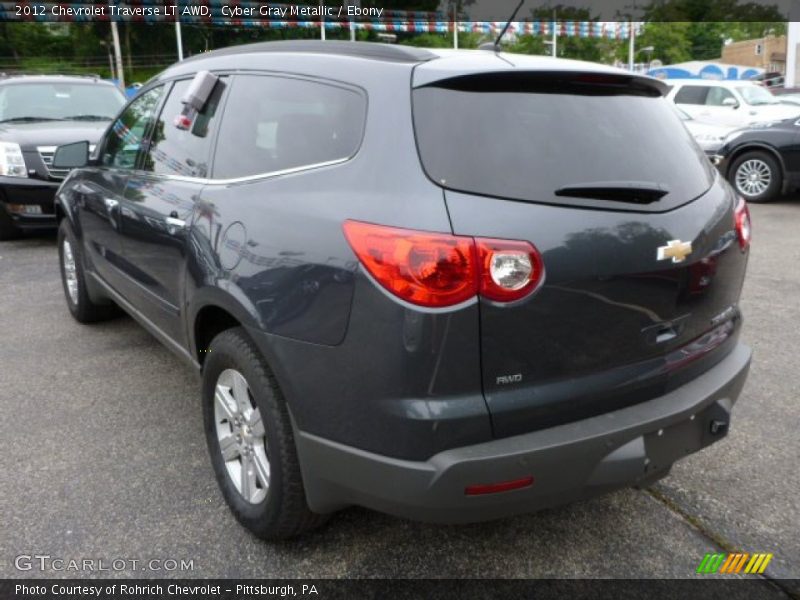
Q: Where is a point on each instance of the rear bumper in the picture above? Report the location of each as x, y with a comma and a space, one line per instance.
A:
29, 192
631, 446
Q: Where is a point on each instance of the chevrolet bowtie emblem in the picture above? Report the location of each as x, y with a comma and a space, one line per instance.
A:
676, 250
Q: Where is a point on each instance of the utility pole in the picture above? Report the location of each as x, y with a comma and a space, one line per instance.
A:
117, 52
631, 45
179, 37
356, 4
455, 25
322, 20
555, 33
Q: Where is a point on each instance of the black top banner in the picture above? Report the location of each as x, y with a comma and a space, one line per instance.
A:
412, 13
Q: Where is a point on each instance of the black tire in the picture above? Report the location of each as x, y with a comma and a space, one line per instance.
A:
764, 160
284, 512
8, 231
82, 308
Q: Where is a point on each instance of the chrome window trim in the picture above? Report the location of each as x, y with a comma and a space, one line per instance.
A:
245, 179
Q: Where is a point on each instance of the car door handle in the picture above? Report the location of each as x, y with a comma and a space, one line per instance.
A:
173, 223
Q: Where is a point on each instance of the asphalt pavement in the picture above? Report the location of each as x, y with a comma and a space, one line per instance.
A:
102, 456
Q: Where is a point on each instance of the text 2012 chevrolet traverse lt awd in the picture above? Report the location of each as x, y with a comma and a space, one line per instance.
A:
450, 286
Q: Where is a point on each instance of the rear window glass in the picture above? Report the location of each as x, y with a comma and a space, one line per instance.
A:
527, 139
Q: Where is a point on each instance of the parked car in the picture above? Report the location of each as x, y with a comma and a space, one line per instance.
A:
708, 135
733, 103
37, 113
762, 162
391, 309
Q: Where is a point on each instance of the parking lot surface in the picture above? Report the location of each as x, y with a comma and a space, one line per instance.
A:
102, 455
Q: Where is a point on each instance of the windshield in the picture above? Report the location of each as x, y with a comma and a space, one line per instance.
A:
757, 96
530, 141
47, 101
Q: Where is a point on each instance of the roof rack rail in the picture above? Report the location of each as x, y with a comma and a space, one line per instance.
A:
369, 50
12, 73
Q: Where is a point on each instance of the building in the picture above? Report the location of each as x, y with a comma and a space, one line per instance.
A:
768, 53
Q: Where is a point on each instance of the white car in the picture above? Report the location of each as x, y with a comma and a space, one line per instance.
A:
733, 103
708, 135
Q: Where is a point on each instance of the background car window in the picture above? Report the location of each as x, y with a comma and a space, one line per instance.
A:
718, 95
176, 151
59, 101
757, 96
124, 139
691, 94
276, 123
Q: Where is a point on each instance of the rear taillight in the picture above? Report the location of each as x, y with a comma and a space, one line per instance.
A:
509, 270
438, 269
741, 220
428, 269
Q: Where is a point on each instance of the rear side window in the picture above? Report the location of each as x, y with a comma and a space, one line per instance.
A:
691, 94
531, 140
277, 123
177, 151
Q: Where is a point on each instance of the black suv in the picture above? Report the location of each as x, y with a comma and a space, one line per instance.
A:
38, 113
450, 286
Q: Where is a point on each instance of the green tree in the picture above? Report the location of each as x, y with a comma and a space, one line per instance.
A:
670, 41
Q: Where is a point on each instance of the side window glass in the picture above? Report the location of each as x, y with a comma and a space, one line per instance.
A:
124, 139
691, 94
717, 96
185, 151
277, 123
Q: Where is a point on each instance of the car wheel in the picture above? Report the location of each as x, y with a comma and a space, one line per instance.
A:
73, 279
8, 231
756, 176
250, 440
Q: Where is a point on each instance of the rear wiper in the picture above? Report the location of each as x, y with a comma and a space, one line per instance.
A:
87, 118
635, 192
28, 119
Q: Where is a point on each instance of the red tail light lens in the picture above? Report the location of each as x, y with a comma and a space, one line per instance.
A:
741, 220
438, 269
428, 269
510, 269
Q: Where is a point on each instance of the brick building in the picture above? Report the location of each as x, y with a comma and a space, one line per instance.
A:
767, 53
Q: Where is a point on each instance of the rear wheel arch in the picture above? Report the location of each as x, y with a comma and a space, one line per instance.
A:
209, 322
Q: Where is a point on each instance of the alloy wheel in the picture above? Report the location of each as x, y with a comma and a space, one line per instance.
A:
753, 177
241, 435
70, 272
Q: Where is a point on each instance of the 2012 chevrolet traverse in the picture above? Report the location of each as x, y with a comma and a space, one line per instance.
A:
450, 286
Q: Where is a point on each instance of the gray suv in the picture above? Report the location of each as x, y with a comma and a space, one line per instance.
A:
447, 285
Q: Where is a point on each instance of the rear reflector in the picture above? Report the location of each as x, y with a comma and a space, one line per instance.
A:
494, 488
741, 221
439, 269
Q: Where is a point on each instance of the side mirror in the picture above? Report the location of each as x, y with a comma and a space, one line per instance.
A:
730, 102
71, 156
